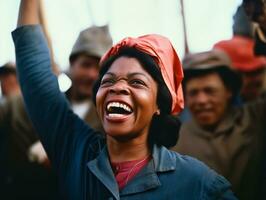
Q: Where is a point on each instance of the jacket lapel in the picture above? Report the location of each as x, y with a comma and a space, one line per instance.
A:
101, 168
147, 178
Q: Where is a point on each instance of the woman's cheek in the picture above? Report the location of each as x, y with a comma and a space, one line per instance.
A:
99, 100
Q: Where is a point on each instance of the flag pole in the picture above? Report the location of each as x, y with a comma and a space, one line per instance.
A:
184, 27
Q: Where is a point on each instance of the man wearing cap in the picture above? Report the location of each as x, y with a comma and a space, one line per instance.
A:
226, 138
84, 59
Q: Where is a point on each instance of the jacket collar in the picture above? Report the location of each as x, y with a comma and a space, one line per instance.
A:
102, 169
162, 161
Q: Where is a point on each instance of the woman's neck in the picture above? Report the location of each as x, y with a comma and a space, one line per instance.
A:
127, 151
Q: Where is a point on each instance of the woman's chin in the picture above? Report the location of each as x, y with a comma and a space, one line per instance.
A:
120, 136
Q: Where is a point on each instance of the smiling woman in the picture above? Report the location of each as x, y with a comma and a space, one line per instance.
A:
126, 84
136, 96
137, 74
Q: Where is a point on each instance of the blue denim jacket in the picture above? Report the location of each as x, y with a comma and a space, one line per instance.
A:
80, 156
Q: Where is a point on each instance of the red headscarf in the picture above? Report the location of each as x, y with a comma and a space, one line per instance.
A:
164, 54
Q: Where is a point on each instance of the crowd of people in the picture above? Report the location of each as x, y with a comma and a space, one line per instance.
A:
136, 123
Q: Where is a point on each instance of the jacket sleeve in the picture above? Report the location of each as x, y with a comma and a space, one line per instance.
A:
62, 133
218, 188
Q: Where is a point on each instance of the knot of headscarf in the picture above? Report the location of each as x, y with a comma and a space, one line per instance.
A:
164, 54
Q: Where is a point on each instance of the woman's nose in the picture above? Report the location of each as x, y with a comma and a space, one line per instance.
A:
120, 87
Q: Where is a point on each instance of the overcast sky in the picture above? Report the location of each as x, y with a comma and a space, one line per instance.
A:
208, 21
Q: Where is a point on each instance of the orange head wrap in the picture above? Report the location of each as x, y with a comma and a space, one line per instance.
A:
164, 54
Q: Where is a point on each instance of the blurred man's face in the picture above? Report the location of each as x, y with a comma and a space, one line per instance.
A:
9, 85
253, 85
207, 98
83, 72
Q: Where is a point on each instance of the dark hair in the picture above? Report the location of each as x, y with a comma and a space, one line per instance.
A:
164, 127
231, 79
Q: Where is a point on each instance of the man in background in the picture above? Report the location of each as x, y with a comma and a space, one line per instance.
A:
84, 59
227, 138
240, 48
251, 67
24, 173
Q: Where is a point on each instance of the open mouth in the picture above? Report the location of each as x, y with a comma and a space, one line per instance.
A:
116, 109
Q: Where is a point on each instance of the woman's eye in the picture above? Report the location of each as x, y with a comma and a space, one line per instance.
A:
137, 82
107, 81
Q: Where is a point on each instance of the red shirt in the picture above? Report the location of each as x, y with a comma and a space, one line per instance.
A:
125, 171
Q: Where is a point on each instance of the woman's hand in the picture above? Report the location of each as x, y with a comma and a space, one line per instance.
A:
28, 12
32, 12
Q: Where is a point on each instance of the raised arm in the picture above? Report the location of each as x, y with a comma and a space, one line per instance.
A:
31, 12
61, 131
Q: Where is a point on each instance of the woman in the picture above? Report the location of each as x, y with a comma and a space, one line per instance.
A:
137, 92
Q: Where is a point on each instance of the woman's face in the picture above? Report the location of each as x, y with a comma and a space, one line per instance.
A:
126, 100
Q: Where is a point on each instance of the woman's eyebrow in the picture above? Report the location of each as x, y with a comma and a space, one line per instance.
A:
129, 75
136, 74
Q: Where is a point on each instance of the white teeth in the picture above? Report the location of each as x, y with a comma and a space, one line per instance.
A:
117, 104
115, 115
